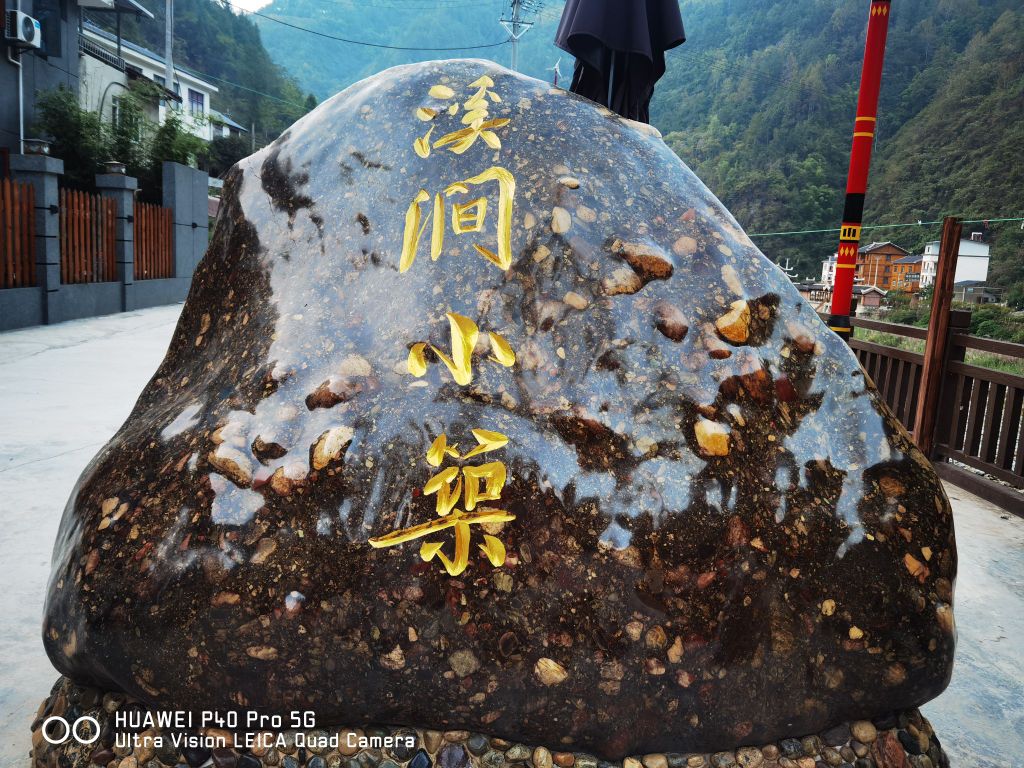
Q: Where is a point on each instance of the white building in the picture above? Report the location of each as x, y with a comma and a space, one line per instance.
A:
107, 65
828, 270
971, 261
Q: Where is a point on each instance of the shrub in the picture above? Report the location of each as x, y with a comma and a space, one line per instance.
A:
84, 142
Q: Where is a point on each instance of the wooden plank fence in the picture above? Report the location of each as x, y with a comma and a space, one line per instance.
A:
87, 253
17, 235
154, 241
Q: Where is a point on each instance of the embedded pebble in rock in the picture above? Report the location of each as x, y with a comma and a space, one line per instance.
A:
542, 758
749, 757
712, 437
453, 756
670, 320
791, 747
621, 281
402, 751
663, 434
561, 220
518, 752
464, 663
348, 742
734, 325
550, 672
477, 744
575, 300
863, 731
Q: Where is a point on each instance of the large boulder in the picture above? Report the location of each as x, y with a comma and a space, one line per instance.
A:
595, 476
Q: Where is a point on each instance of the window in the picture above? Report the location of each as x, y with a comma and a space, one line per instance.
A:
195, 102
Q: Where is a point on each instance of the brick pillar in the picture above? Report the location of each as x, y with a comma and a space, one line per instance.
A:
43, 173
121, 189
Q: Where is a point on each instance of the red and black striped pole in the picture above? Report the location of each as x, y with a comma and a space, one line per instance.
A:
860, 162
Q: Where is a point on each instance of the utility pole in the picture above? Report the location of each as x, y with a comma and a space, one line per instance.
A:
860, 163
168, 47
516, 27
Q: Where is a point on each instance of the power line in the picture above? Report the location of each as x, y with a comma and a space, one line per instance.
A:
220, 79
361, 42
251, 90
881, 226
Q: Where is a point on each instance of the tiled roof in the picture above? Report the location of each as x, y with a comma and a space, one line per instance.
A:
129, 45
911, 259
875, 246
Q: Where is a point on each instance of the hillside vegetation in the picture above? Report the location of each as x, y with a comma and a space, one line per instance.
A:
760, 103
213, 40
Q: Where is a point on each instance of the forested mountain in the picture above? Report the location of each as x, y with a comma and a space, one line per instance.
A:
215, 41
760, 102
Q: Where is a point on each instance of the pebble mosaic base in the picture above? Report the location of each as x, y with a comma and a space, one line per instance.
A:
899, 740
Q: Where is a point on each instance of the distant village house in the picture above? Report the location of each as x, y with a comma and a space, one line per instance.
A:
891, 267
98, 65
971, 261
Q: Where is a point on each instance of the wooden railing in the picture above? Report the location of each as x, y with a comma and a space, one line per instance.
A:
154, 241
896, 372
980, 411
87, 252
17, 234
980, 425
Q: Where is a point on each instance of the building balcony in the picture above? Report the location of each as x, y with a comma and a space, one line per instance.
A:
87, 47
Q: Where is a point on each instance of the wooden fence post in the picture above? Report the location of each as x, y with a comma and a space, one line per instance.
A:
936, 344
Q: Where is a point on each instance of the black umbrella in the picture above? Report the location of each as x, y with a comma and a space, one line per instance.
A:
619, 47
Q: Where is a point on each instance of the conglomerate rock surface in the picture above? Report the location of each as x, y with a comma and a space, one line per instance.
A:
668, 512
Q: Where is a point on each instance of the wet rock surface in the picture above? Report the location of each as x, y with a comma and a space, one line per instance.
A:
664, 509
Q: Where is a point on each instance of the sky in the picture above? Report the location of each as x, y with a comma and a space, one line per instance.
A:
251, 5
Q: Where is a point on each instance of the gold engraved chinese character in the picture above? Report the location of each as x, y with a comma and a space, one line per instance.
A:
491, 476
466, 217
476, 118
464, 333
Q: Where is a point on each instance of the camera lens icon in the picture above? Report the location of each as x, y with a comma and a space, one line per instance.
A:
57, 730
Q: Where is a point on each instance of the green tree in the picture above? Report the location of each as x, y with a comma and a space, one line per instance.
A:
77, 137
225, 151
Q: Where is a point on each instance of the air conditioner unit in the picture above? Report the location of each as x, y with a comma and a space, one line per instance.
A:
22, 31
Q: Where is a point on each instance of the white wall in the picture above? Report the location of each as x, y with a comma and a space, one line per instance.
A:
94, 79
971, 268
102, 74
